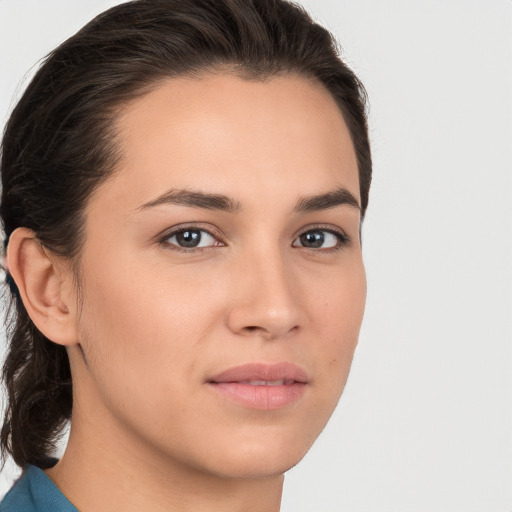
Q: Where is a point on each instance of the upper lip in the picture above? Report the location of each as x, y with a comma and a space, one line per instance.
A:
262, 372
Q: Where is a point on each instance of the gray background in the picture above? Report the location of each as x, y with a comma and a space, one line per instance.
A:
425, 424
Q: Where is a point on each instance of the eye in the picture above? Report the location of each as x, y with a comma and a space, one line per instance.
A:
320, 239
190, 238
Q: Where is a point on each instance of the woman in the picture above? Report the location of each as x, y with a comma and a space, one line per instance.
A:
183, 189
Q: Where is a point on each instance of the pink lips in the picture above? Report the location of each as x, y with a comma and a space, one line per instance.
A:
262, 386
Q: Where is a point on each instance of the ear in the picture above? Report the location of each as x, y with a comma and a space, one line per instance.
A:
45, 286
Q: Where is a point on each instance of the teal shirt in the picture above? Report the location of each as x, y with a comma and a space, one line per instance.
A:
35, 492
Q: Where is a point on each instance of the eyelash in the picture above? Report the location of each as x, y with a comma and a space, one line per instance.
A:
216, 235
342, 238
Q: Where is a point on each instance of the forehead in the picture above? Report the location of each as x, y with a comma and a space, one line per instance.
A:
224, 134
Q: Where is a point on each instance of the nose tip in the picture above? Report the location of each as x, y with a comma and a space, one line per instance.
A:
266, 304
271, 325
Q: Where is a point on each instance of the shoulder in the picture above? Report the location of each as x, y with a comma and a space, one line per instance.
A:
35, 492
19, 498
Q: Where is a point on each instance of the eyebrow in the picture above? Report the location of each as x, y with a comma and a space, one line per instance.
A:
340, 196
196, 199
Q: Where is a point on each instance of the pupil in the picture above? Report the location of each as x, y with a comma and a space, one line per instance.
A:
188, 238
315, 239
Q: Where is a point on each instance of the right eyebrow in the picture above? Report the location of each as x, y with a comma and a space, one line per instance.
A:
194, 199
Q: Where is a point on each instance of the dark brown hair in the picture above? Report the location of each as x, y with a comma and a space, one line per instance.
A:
59, 145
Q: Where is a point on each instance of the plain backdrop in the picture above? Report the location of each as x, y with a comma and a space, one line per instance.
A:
425, 423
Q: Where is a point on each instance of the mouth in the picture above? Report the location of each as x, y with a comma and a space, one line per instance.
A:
280, 382
261, 386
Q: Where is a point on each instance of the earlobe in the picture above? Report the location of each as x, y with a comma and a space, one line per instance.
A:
40, 282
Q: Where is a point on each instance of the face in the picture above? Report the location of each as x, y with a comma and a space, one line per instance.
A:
222, 283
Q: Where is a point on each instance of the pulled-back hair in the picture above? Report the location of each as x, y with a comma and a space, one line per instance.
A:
59, 146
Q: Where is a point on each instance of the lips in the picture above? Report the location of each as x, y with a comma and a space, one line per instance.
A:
261, 386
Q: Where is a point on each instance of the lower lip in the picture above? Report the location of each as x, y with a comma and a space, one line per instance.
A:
261, 397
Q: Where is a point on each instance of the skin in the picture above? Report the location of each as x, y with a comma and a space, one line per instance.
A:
153, 323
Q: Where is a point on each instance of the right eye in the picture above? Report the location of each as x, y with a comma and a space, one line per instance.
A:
191, 238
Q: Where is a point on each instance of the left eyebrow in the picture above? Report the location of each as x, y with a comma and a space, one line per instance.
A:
337, 197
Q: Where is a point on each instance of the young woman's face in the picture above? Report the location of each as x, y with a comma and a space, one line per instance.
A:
222, 281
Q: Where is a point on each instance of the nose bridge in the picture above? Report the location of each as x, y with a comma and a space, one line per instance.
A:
266, 298
273, 278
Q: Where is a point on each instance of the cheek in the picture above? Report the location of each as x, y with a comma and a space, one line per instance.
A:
116, 326
150, 322
338, 315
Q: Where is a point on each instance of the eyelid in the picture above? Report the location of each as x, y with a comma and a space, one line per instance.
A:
193, 226
343, 238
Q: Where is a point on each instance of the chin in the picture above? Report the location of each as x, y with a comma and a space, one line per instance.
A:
261, 457
258, 465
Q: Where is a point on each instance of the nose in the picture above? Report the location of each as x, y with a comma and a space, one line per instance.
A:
265, 299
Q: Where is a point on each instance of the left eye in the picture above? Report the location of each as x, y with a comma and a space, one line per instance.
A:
192, 239
318, 239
